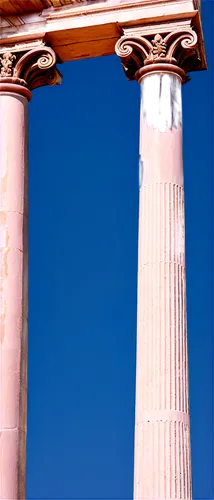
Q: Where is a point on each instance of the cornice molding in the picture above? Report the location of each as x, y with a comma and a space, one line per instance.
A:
12, 7
29, 65
158, 45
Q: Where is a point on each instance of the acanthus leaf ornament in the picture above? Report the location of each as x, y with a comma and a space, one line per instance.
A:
178, 48
36, 68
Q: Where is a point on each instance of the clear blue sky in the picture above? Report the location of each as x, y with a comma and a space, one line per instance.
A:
83, 195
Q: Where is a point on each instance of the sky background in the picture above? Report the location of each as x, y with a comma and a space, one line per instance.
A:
83, 212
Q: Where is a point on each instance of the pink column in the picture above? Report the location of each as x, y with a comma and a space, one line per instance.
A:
13, 289
159, 58
162, 432
20, 73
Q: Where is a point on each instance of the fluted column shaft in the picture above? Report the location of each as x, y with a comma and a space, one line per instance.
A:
162, 434
13, 292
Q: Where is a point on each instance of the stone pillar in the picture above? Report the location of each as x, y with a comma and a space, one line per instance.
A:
19, 74
162, 428
13, 286
162, 434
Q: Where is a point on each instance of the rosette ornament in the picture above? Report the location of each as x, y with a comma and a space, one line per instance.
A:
178, 48
34, 69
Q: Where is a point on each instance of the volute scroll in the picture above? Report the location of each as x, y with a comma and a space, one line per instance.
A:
32, 69
178, 47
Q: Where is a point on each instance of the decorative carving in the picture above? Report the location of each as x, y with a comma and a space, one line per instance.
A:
179, 47
6, 64
159, 47
32, 70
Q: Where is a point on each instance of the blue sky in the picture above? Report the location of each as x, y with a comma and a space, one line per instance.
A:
83, 197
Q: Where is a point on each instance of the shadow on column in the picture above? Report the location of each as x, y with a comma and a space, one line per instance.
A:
24, 352
141, 172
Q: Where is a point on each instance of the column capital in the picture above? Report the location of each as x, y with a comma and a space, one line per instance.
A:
25, 67
171, 47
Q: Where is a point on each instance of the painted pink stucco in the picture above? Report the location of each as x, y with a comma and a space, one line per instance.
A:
13, 293
162, 432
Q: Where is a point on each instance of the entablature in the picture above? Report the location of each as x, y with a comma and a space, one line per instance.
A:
77, 29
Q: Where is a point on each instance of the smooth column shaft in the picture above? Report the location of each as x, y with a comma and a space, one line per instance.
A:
13, 294
162, 434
